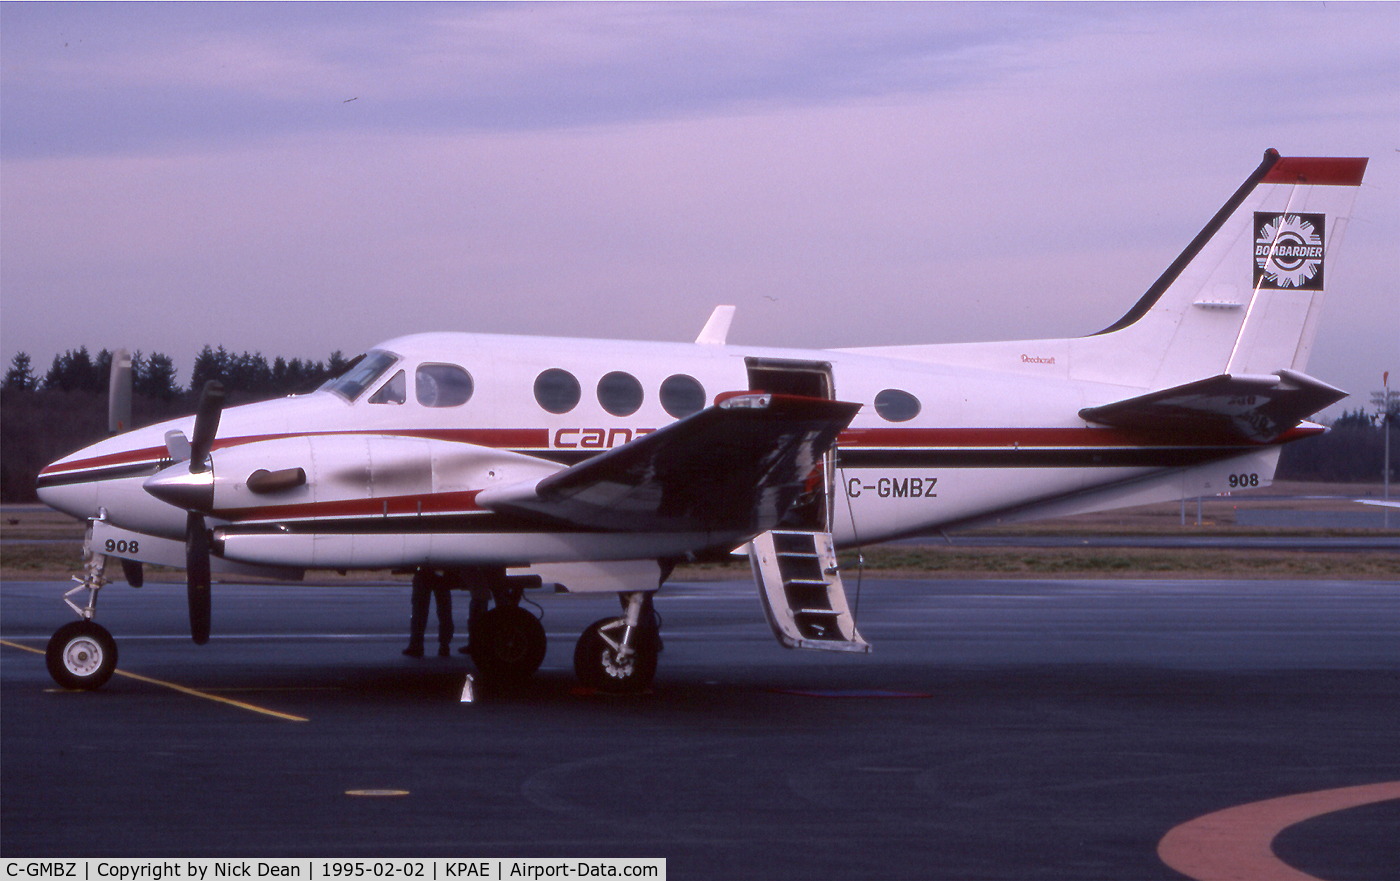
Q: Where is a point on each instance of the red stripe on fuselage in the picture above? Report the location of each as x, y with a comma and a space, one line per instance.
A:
537, 439
494, 438
127, 457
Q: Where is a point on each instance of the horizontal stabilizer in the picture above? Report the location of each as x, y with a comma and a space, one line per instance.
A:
1252, 408
737, 467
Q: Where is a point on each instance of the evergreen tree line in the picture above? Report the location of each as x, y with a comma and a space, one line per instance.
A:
251, 377
1353, 451
43, 418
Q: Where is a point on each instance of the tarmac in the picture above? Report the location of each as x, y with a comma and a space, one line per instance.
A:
999, 729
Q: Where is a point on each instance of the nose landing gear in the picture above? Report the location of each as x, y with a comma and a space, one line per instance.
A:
82, 654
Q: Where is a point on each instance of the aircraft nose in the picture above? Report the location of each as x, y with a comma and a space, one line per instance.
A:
72, 495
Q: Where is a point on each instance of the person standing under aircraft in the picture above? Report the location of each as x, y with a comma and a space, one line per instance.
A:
480, 602
428, 584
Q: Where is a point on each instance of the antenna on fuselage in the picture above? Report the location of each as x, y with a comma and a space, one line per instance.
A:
716, 330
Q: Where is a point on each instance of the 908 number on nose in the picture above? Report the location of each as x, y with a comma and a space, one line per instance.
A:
1238, 481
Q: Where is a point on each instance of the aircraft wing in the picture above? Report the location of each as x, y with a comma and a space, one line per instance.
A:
1252, 408
739, 466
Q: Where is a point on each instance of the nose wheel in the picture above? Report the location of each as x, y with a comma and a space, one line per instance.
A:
81, 655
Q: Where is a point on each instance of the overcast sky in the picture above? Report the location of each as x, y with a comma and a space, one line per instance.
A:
298, 179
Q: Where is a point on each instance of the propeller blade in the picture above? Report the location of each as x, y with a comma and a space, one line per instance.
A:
197, 577
206, 423
135, 573
119, 393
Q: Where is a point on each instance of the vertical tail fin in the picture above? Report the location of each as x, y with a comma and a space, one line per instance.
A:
1243, 298
1245, 295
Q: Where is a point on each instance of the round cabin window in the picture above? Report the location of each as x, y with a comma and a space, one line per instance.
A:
895, 405
682, 395
620, 393
557, 391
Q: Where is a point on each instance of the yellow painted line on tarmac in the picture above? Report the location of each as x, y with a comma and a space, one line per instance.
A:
15, 645
1236, 843
251, 688
192, 692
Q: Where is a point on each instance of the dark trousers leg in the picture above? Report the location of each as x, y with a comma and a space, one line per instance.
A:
444, 612
480, 602
418, 617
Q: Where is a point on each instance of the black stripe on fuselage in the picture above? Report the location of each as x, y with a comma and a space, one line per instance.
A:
96, 475
1011, 457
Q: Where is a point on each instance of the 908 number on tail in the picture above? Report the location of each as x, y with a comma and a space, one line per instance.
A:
1239, 481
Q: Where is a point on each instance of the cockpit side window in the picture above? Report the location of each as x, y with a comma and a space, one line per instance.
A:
351, 384
392, 392
442, 385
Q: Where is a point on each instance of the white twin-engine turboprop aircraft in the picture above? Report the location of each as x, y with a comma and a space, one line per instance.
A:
505, 463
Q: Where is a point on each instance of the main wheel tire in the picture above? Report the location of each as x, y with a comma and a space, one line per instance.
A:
596, 661
81, 655
507, 644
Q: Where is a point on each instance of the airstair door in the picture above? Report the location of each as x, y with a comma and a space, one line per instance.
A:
803, 596
809, 379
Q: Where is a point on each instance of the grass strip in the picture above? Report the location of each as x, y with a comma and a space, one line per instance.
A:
56, 561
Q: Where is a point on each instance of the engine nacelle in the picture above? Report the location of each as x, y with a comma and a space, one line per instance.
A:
339, 476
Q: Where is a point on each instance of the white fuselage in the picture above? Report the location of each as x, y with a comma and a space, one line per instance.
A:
439, 450
945, 445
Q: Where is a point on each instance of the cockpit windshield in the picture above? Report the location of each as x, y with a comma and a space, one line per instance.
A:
353, 382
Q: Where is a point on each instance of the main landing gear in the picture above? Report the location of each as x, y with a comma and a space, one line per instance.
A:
82, 654
507, 643
619, 655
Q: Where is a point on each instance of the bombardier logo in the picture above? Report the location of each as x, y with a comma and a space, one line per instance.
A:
1288, 251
